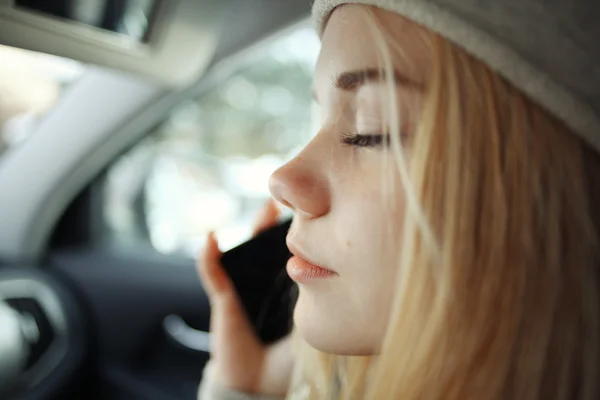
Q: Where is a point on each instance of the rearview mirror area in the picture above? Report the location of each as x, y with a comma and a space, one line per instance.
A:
133, 19
171, 42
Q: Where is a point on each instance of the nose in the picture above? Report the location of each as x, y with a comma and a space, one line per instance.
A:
301, 186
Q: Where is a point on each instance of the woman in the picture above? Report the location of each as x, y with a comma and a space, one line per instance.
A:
451, 199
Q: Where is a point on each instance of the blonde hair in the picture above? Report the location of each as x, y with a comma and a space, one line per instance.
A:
498, 292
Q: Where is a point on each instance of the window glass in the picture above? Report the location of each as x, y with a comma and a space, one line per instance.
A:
207, 166
30, 85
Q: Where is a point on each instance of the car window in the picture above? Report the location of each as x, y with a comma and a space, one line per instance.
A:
30, 86
207, 165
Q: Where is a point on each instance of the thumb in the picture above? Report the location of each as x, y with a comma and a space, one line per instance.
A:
215, 280
229, 322
235, 347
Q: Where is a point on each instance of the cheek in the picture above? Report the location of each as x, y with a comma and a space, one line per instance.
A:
369, 227
367, 211
362, 229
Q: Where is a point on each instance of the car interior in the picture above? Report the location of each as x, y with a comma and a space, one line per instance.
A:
129, 129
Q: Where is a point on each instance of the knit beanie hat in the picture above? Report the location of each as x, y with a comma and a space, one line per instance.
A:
549, 49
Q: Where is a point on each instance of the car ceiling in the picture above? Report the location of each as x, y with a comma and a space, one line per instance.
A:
76, 142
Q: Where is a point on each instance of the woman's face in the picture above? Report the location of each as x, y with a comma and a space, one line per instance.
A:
347, 218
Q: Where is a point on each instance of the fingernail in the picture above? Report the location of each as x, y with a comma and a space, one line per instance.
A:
275, 207
212, 237
211, 243
265, 211
268, 206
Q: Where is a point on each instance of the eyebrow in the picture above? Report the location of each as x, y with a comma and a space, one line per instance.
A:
353, 80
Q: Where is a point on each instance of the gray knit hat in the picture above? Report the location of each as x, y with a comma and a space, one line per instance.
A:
550, 49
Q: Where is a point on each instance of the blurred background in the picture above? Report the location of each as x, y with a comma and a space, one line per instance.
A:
206, 166
130, 129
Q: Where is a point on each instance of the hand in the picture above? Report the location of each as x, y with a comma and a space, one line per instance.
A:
242, 362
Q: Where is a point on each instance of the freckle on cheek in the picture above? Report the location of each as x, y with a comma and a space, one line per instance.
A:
347, 243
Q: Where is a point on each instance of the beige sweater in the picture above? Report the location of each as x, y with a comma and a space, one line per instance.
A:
211, 389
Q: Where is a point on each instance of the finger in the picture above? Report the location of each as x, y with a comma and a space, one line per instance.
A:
267, 218
227, 313
228, 322
214, 278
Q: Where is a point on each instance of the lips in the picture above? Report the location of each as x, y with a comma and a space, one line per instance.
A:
301, 270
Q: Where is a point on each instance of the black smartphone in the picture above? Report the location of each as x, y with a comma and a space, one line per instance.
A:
257, 269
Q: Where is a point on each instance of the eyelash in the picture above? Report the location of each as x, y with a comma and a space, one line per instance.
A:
373, 140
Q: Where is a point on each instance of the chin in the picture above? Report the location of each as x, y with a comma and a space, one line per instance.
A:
323, 326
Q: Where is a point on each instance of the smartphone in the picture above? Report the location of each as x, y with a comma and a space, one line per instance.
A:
257, 269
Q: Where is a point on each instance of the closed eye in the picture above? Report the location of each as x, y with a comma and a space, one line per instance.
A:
365, 140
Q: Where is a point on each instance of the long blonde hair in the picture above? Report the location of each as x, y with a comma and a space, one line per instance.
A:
498, 293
